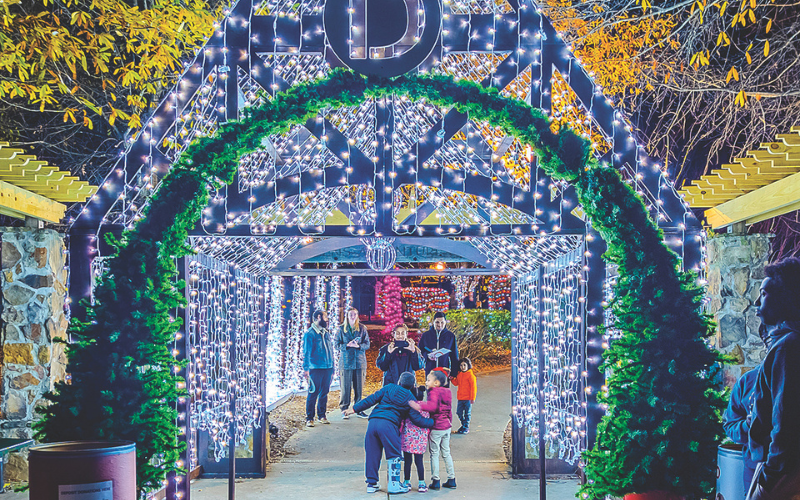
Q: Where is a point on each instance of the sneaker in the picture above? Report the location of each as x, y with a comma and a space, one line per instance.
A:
434, 484
422, 488
407, 484
361, 414
345, 416
450, 483
309, 423
372, 488
323, 420
462, 431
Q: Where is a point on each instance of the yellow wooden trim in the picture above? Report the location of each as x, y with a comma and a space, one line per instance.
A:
774, 199
432, 219
338, 218
755, 170
36, 176
18, 202
774, 213
402, 214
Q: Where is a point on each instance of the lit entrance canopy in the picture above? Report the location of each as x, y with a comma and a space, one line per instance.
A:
391, 168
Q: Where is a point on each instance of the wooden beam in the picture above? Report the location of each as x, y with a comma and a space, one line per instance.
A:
774, 199
18, 202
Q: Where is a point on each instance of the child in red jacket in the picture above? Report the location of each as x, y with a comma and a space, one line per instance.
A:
467, 392
439, 405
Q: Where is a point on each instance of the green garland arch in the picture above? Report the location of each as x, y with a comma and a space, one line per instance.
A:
661, 396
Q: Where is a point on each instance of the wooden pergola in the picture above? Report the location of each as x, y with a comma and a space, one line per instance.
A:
32, 189
763, 184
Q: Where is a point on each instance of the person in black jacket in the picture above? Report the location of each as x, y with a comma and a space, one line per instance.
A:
399, 356
439, 337
383, 430
737, 418
774, 431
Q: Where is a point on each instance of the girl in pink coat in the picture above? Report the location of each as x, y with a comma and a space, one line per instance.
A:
414, 442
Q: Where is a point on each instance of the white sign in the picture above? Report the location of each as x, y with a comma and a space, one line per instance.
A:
88, 491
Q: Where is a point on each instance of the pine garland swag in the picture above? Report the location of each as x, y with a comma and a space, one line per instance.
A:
123, 384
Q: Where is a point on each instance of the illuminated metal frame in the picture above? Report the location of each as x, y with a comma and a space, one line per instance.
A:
230, 72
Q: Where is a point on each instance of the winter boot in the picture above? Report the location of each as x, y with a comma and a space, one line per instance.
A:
394, 468
450, 483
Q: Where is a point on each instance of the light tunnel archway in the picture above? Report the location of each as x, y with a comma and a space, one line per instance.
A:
155, 240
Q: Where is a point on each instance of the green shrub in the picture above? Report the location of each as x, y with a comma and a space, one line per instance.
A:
479, 331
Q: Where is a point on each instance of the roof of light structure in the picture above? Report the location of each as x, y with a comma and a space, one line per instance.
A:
390, 167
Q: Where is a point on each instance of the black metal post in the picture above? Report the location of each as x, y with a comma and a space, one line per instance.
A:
232, 388
540, 392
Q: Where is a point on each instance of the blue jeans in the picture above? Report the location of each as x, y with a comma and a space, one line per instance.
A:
464, 412
318, 390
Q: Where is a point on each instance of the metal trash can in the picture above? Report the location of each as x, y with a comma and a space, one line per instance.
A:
96, 470
730, 470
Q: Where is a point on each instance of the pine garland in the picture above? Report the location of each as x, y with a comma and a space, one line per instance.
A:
661, 395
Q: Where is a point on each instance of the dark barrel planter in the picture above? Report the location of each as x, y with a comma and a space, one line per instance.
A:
730, 469
100, 470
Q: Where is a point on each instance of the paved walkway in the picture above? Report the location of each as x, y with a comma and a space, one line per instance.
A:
329, 461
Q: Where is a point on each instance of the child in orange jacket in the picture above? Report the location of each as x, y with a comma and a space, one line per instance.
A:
467, 392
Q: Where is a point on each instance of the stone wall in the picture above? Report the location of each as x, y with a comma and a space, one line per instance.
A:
33, 288
735, 271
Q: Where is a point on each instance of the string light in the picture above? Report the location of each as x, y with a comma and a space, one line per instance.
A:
499, 291
548, 314
419, 300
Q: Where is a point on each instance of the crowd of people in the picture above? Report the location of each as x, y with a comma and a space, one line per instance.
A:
764, 408
406, 420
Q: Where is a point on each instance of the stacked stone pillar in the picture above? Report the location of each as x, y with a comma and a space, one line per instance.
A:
735, 270
33, 287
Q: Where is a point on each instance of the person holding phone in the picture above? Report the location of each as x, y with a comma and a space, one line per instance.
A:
398, 356
352, 340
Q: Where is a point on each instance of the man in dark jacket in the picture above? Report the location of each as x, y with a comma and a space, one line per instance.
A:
383, 431
398, 356
439, 337
774, 431
318, 367
737, 418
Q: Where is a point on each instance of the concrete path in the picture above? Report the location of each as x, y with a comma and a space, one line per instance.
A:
327, 461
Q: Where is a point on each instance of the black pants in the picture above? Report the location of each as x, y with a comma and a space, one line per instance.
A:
417, 461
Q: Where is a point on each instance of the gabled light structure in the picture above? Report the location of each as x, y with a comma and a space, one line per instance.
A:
393, 168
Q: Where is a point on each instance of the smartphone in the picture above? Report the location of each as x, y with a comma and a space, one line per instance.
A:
400, 344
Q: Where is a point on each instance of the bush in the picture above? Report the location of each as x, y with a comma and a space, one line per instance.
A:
479, 331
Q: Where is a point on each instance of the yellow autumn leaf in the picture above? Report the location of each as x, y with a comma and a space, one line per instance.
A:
766, 48
769, 25
752, 15
749, 59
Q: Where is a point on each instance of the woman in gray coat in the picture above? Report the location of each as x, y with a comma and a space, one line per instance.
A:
352, 340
